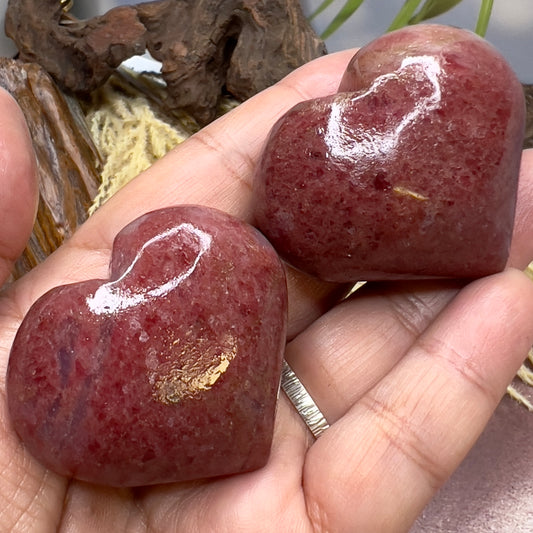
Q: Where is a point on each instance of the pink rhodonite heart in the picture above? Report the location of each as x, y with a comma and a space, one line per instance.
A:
169, 370
411, 170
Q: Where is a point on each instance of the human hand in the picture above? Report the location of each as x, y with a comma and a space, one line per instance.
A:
407, 374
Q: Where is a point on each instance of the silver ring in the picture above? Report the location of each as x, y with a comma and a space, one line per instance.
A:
302, 401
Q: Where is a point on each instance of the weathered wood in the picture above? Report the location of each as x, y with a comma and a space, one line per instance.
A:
206, 46
242, 46
80, 55
67, 159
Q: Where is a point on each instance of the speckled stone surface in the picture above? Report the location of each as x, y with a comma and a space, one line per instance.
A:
168, 371
411, 170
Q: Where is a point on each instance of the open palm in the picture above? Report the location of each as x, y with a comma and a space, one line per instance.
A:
407, 374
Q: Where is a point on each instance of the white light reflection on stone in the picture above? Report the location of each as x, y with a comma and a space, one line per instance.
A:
111, 297
338, 138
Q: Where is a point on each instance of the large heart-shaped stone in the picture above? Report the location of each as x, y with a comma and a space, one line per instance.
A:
170, 370
411, 170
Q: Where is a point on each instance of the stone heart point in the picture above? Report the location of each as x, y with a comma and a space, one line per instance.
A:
409, 171
169, 370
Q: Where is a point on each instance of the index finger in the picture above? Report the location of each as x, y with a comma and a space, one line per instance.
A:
213, 168
18, 184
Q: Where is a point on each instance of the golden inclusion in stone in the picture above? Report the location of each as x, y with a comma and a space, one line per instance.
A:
199, 373
168, 371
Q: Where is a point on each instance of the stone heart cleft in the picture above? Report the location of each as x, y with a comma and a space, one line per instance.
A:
169, 370
410, 171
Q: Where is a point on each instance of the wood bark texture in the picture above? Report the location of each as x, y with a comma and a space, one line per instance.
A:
67, 161
206, 46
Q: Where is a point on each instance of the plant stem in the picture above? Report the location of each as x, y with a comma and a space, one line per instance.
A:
404, 15
433, 8
349, 8
484, 17
324, 5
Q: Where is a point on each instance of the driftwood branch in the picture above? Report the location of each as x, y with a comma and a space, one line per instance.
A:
67, 160
205, 46
80, 55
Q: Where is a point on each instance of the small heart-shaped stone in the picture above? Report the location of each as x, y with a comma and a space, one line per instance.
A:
170, 370
411, 170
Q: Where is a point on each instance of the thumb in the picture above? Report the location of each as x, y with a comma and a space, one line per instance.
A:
18, 184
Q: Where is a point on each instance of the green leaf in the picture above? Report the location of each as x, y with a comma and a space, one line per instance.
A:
404, 15
349, 8
484, 17
433, 8
323, 6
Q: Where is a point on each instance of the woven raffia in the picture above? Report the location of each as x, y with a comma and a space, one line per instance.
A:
129, 134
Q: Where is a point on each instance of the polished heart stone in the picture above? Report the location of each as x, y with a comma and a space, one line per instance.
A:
169, 370
409, 171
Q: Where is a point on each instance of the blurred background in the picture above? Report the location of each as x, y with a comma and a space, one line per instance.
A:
510, 28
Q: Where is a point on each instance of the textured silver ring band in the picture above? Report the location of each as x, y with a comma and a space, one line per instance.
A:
302, 401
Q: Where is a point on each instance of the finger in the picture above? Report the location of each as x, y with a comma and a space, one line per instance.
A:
270, 495
522, 245
309, 298
395, 447
349, 349
199, 171
18, 184
267, 499
213, 168
357, 343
